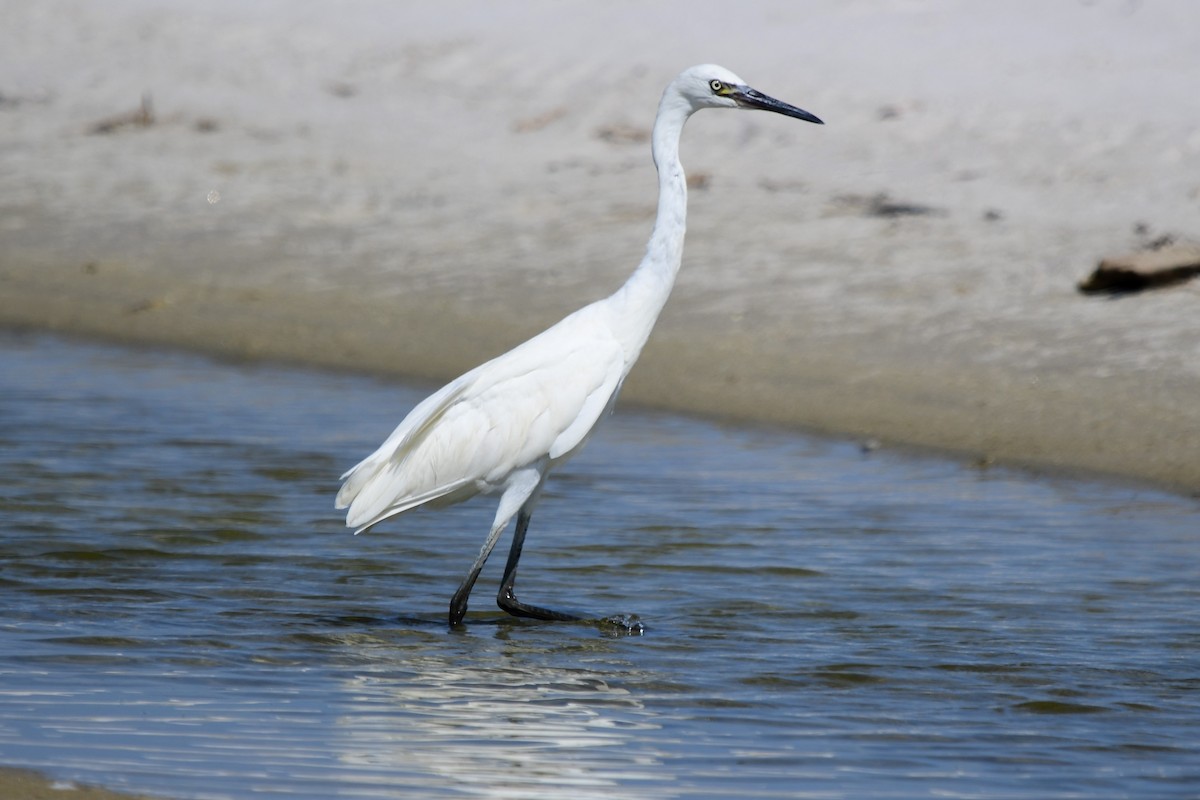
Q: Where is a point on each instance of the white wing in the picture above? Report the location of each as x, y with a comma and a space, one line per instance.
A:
536, 403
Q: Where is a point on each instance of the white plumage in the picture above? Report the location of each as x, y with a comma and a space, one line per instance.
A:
502, 427
537, 402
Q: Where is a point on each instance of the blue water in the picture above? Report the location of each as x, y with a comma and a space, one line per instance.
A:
184, 614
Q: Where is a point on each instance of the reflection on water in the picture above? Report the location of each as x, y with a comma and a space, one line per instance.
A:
501, 729
185, 615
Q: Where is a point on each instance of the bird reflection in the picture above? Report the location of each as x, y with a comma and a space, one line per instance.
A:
499, 729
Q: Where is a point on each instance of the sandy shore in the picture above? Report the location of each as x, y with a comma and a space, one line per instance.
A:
377, 187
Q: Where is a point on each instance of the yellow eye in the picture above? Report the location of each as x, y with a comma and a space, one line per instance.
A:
716, 86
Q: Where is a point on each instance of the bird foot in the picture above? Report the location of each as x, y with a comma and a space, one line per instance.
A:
458, 610
509, 602
622, 625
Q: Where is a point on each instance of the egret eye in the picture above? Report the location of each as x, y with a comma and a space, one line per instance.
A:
716, 86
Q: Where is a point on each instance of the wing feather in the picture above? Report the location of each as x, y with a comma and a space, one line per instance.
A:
535, 403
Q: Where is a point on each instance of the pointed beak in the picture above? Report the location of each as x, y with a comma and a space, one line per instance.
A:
746, 97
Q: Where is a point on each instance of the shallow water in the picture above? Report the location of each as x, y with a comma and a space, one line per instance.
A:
185, 615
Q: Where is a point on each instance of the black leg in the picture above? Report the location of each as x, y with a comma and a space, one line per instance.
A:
458, 603
519, 496
507, 598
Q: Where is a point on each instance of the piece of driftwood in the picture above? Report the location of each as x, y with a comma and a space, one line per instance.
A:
1168, 265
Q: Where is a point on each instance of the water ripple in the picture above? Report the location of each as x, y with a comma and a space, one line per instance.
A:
184, 614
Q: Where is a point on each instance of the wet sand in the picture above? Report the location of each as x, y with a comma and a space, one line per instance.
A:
19, 784
380, 188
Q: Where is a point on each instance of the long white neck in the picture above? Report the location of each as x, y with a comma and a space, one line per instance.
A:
643, 296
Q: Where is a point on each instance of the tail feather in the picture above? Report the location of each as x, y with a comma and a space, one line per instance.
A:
363, 518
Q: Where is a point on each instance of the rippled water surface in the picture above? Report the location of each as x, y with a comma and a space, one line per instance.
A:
184, 614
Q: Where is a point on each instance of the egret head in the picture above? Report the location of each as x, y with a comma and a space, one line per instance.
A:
711, 86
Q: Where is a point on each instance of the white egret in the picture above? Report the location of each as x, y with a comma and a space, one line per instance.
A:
502, 427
